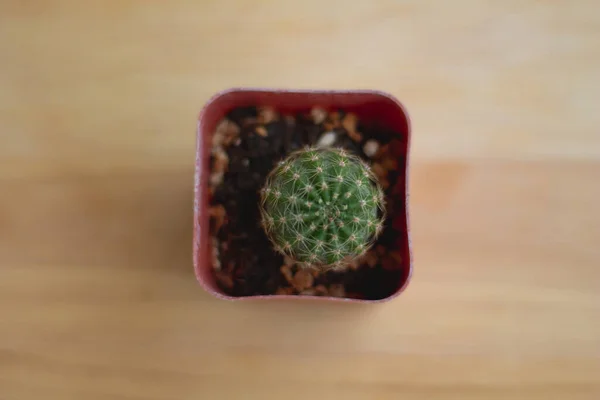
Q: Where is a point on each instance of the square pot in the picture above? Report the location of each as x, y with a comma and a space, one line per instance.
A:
370, 107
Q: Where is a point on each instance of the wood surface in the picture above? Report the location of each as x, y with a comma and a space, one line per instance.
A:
98, 106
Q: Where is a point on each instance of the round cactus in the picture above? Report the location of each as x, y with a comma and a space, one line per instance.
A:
322, 207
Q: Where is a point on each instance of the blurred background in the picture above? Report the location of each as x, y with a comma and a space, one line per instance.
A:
98, 108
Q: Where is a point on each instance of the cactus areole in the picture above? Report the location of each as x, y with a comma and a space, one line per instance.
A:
322, 207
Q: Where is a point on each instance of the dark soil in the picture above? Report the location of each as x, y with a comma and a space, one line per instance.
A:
246, 146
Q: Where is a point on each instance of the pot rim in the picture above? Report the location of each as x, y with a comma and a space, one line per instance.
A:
200, 207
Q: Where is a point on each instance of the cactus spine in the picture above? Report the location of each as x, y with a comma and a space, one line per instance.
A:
322, 207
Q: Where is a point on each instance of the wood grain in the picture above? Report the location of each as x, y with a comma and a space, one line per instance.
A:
98, 103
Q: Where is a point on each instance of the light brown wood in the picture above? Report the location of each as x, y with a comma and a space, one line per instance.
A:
98, 105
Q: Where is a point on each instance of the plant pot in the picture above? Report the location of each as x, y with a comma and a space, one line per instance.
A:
380, 112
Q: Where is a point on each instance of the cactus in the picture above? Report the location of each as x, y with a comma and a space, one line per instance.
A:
322, 207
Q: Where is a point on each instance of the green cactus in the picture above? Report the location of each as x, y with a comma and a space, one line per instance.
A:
322, 207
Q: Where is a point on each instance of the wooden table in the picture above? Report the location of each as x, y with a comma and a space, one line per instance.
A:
98, 106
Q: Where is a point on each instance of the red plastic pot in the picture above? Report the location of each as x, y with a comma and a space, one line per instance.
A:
369, 105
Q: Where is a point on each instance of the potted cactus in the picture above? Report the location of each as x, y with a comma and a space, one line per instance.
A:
323, 208
302, 194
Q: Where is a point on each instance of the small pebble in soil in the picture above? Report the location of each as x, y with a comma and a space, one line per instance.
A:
333, 121
288, 261
261, 131
396, 256
302, 280
216, 178
266, 115
356, 136
349, 123
217, 214
327, 139
216, 261
390, 164
318, 115
370, 148
225, 132
221, 160
224, 279
321, 290
354, 264
371, 259
246, 145
378, 170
